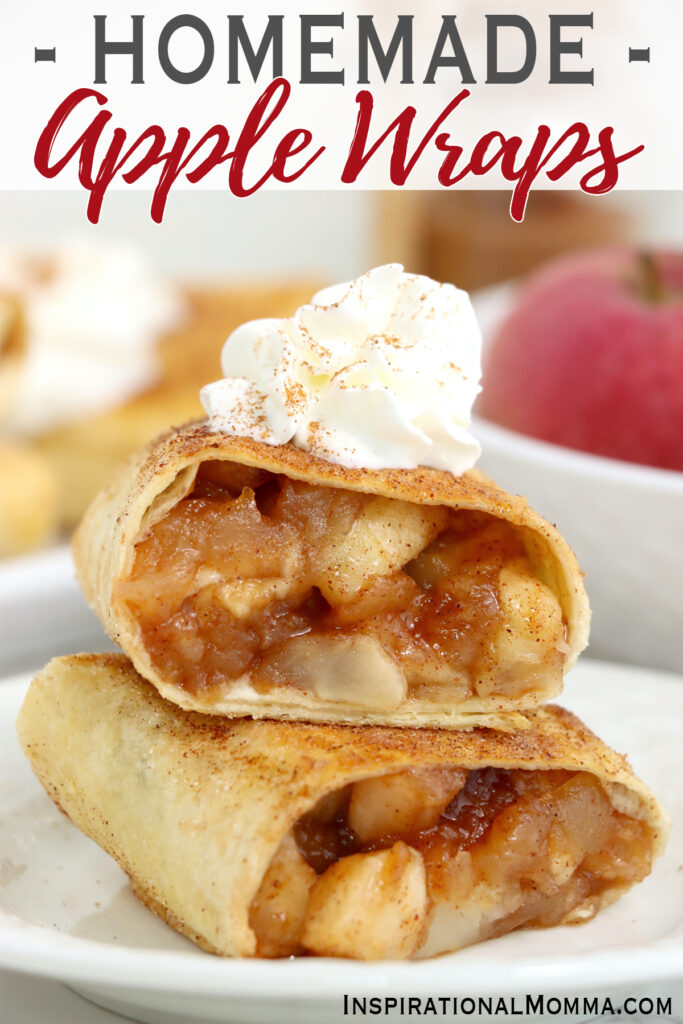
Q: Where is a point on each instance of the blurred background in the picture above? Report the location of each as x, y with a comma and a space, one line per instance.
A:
464, 237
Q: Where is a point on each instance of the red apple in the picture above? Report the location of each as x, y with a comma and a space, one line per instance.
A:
591, 356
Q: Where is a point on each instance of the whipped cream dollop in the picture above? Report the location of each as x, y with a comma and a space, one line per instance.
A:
93, 315
378, 373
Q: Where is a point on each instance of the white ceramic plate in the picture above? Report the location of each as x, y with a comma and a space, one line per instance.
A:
66, 911
623, 520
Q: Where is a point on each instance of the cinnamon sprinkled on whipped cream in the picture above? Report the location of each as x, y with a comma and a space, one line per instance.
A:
378, 373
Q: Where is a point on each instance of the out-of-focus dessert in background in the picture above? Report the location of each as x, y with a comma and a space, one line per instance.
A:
28, 499
28, 488
100, 355
469, 237
590, 356
93, 315
12, 349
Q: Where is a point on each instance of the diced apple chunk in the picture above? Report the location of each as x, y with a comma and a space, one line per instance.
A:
354, 669
381, 596
455, 553
517, 845
533, 613
402, 803
369, 906
279, 908
583, 821
466, 906
244, 597
384, 536
531, 630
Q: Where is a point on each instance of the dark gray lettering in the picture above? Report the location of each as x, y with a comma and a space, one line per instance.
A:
104, 47
309, 46
402, 37
449, 34
559, 46
167, 33
495, 76
238, 39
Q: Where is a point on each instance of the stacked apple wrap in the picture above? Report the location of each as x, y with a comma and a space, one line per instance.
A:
251, 760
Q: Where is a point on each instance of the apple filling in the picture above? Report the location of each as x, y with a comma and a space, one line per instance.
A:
426, 861
351, 597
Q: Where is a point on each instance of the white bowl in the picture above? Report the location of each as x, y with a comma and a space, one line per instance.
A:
625, 523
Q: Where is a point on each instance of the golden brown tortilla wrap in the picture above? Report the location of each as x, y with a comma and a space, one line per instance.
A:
154, 484
202, 813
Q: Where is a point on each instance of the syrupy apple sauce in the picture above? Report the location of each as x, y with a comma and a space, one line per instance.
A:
426, 861
351, 597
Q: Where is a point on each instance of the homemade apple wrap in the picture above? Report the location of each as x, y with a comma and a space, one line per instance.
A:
278, 838
247, 579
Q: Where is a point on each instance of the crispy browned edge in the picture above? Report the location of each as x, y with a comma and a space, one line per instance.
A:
283, 768
157, 477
